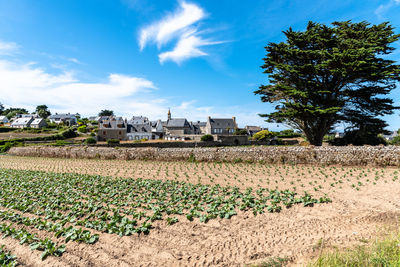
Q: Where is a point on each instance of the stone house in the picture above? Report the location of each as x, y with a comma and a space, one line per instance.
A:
177, 127
220, 126
199, 127
38, 123
112, 128
138, 128
67, 119
157, 129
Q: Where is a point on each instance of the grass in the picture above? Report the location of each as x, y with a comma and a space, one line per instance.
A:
383, 252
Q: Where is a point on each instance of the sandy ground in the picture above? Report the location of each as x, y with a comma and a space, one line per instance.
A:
365, 200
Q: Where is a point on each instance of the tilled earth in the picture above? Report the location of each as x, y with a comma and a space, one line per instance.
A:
364, 201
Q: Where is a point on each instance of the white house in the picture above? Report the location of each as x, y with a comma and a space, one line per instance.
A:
38, 123
22, 122
3, 119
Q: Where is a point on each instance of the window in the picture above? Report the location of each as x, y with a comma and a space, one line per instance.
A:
104, 132
120, 132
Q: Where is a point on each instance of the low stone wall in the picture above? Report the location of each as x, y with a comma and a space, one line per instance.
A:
346, 156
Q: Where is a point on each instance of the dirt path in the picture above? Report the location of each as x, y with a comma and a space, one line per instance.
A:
355, 215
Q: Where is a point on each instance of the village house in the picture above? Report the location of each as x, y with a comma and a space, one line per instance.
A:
221, 126
38, 123
157, 129
138, 128
177, 127
67, 119
112, 128
3, 119
251, 130
23, 122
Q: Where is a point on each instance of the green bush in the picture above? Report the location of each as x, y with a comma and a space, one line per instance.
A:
60, 143
240, 132
263, 135
395, 141
288, 134
359, 138
207, 138
90, 141
6, 129
113, 141
82, 129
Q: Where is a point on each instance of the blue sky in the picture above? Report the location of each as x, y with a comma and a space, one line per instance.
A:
140, 57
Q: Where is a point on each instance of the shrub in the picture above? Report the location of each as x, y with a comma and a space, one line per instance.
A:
263, 135
90, 141
113, 141
395, 141
92, 134
240, 132
82, 129
69, 133
359, 138
207, 138
60, 143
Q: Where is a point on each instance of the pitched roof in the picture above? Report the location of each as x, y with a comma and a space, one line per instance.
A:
37, 121
62, 116
200, 123
178, 123
22, 121
113, 123
222, 123
140, 128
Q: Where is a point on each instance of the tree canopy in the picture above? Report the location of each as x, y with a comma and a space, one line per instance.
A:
43, 111
11, 112
106, 112
330, 74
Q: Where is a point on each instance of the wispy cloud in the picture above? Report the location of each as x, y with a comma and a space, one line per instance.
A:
7, 48
383, 8
182, 26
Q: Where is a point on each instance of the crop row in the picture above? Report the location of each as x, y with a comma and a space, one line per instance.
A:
105, 201
48, 247
6, 258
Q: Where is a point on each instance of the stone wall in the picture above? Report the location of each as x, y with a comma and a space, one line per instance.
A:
346, 156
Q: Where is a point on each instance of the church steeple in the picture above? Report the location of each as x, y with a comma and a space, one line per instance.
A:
169, 113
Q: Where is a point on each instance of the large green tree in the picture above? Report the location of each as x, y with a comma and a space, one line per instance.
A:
330, 74
106, 112
43, 111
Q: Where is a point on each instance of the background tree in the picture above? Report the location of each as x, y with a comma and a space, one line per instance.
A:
106, 112
1, 108
330, 74
11, 112
43, 111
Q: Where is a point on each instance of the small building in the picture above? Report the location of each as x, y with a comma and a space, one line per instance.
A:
177, 127
3, 120
38, 123
251, 130
157, 129
112, 128
391, 136
24, 122
139, 131
68, 119
199, 127
221, 126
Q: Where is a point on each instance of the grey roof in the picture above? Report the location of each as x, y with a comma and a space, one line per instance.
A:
37, 121
22, 121
62, 116
139, 128
113, 123
253, 128
222, 123
178, 123
200, 123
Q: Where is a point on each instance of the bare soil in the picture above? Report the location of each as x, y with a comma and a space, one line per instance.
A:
364, 201
13, 135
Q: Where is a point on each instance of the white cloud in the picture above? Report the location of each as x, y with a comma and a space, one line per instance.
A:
28, 85
177, 25
7, 48
383, 8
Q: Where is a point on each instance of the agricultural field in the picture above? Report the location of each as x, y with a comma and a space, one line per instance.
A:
60, 212
15, 135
